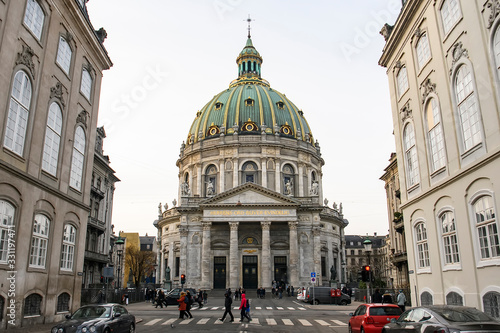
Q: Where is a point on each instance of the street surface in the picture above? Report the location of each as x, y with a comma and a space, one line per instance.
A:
268, 315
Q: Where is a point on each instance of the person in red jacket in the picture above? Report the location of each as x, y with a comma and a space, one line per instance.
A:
244, 307
182, 305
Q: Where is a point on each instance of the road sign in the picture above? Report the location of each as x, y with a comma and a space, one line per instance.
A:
313, 274
313, 280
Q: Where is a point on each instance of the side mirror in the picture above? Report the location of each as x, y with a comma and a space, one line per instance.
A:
67, 316
117, 315
393, 320
351, 314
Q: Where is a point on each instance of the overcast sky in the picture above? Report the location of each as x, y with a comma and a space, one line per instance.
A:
171, 57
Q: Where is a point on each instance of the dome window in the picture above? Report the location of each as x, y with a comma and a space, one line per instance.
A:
190, 139
249, 126
286, 129
213, 130
218, 106
249, 102
280, 105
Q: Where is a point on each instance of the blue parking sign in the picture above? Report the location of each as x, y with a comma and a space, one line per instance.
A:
313, 274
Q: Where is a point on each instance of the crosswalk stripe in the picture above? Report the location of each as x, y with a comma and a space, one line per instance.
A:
305, 322
279, 308
271, 321
338, 322
170, 321
322, 322
269, 307
204, 321
301, 308
236, 308
258, 308
203, 308
152, 322
185, 322
287, 322
218, 322
214, 308
291, 308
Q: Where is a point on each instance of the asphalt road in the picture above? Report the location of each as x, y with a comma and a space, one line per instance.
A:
268, 315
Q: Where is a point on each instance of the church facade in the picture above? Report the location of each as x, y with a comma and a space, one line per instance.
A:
251, 207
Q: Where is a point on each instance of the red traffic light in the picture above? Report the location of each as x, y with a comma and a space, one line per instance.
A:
183, 278
367, 268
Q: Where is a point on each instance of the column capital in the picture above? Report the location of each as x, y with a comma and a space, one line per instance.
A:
206, 225
233, 226
293, 225
266, 225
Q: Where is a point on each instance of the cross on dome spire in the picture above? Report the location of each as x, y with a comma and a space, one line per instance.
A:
249, 20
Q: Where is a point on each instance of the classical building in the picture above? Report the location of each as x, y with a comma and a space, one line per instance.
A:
98, 245
51, 63
397, 241
251, 194
442, 59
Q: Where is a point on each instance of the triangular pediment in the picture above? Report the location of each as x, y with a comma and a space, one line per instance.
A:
250, 194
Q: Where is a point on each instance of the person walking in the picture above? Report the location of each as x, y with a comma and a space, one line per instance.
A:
182, 305
199, 299
401, 300
244, 307
227, 304
189, 304
377, 296
205, 297
161, 298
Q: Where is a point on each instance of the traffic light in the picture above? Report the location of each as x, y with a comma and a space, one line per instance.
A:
183, 278
365, 273
102, 279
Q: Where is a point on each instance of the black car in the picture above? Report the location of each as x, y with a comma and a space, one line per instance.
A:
173, 295
105, 318
443, 318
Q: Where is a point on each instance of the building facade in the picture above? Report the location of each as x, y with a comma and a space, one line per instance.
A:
442, 61
250, 194
98, 245
357, 257
51, 63
398, 256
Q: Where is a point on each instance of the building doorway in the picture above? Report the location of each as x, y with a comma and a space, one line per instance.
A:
219, 272
280, 269
250, 276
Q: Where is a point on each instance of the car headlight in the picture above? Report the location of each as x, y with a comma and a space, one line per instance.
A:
92, 329
54, 330
84, 329
60, 330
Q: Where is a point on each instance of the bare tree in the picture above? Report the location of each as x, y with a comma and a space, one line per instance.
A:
139, 262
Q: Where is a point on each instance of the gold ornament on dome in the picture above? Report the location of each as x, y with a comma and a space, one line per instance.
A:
249, 126
213, 130
286, 129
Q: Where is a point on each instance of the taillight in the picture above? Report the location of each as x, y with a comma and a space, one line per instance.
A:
369, 320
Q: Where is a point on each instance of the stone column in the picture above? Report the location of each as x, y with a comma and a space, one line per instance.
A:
329, 258
222, 175
199, 185
266, 269
264, 172
278, 176
294, 254
236, 173
233, 256
183, 231
205, 256
316, 231
301, 180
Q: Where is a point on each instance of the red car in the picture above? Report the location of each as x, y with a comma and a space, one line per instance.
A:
371, 318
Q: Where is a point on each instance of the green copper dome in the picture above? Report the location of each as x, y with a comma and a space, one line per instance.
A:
249, 107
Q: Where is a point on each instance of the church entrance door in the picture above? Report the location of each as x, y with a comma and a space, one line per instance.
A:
280, 269
219, 272
250, 276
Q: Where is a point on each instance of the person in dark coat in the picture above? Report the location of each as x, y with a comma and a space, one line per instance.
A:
161, 299
377, 296
199, 298
227, 304
189, 304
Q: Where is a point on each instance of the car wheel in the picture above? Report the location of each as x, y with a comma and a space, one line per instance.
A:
132, 328
343, 302
316, 302
361, 330
350, 328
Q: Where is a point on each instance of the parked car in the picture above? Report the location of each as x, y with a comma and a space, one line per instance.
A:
173, 295
443, 318
317, 295
97, 318
371, 318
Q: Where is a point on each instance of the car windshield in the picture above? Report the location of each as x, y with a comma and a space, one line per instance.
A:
463, 315
385, 311
92, 312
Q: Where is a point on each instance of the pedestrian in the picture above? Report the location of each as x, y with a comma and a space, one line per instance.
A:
199, 298
126, 299
401, 300
235, 294
288, 291
161, 298
280, 292
189, 303
240, 291
258, 292
377, 296
205, 297
182, 305
244, 307
228, 291
273, 291
227, 304
291, 289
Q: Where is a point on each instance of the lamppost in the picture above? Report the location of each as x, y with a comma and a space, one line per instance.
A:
368, 249
119, 252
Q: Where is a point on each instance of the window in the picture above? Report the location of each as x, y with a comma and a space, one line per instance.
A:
63, 302
435, 135
468, 110
426, 298
33, 305
211, 180
86, 86
449, 235
52, 139
450, 14
487, 228
20, 100
412, 172
352, 252
422, 246
64, 55
491, 304
6, 220
288, 183
402, 81
34, 17
454, 298
39, 241
78, 159
68, 247
249, 172
423, 51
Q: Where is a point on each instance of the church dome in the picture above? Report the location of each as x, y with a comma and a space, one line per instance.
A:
249, 107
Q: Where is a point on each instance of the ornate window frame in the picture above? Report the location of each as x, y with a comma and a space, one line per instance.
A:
52, 140
454, 265
434, 148
78, 159
421, 254
411, 163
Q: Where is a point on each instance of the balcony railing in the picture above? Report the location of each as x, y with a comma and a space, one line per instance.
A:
95, 256
96, 223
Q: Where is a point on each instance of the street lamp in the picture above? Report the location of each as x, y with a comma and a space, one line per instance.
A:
119, 252
368, 249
